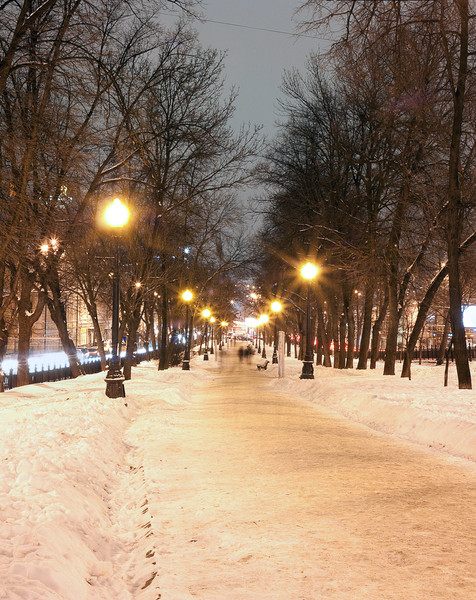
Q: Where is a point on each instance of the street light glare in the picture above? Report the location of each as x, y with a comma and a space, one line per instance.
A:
309, 271
206, 313
276, 306
187, 295
263, 319
117, 214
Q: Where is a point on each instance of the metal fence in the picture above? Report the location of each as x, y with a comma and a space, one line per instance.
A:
427, 354
54, 373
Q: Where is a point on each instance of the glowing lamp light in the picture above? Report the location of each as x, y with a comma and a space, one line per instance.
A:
138, 284
263, 319
187, 295
206, 313
44, 248
212, 319
309, 271
224, 324
116, 214
276, 306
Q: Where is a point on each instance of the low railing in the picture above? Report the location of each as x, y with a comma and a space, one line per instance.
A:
427, 354
49, 373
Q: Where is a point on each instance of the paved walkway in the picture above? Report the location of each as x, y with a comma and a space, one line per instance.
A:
262, 496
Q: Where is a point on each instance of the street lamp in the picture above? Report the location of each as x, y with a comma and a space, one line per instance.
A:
116, 216
263, 320
187, 296
206, 315
309, 272
276, 307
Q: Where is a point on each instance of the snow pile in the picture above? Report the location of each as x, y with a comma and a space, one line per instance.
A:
71, 502
422, 410
61, 449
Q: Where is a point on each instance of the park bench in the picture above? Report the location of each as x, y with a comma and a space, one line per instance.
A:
263, 365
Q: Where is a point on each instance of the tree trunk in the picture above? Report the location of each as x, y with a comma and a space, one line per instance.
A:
92, 311
99, 341
376, 333
392, 333
444, 341
334, 331
425, 307
3, 339
131, 348
24, 337
190, 334
350, 335
58, 315
420, 320
150, 328
7, 304
26, 319
455, 208
395, 296
319, 353
324, 337
342, 338
367, 327
163, 354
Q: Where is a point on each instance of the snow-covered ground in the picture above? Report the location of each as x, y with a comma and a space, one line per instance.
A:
421, 410
73, 510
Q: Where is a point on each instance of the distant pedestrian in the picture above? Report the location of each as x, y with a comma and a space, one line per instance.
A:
249, 352
240, 354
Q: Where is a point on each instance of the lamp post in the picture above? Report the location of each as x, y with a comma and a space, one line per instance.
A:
206, 314
309, 272
116, 216
187, 296
263, 320
276, 307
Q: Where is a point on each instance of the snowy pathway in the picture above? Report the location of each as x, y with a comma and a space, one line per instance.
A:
257, 495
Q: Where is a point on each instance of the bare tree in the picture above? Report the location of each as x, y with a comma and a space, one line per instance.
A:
448, 24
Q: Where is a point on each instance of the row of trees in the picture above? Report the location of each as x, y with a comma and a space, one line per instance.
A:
97, 100
372, 174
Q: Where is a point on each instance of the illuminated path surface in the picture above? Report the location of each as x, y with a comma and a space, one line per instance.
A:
259, 496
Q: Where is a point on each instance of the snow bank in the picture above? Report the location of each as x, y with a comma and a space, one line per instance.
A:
422, 410
60, 449
65, 473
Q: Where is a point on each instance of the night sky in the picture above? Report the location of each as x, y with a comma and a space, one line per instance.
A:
256, 58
